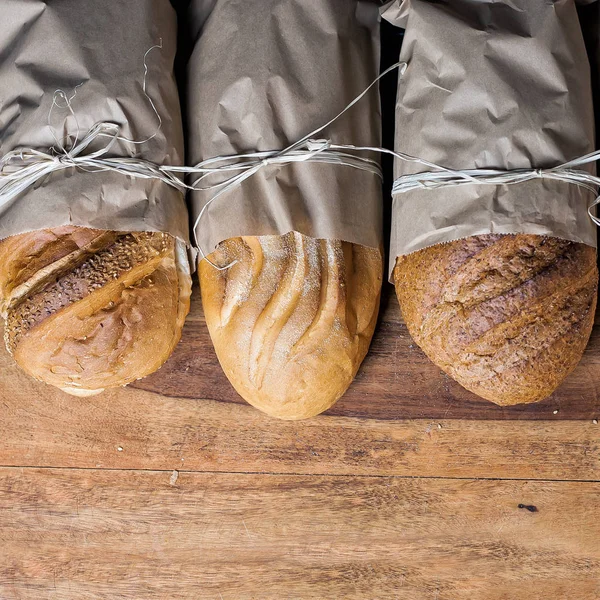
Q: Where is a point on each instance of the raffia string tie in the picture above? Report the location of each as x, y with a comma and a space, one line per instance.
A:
23, 168
443, 177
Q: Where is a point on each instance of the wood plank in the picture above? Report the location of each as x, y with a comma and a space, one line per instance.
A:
43, 427
397, 381
70, 534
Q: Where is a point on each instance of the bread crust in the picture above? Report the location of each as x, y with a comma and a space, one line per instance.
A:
507, 316
292, 320
87, 310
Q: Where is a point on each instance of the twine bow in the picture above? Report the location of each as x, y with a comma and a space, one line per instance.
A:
22, 169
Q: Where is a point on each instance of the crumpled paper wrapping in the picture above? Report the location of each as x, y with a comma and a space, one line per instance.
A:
95, 48
265, 73
499, 84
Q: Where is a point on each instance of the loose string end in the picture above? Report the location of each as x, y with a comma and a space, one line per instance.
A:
203, 257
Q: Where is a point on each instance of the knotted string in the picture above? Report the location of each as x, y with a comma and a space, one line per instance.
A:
23, 168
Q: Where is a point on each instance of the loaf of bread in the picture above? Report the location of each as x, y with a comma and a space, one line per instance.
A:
87, 310
507, 316
292, 319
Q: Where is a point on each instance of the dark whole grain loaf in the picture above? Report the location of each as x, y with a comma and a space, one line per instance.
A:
507, 316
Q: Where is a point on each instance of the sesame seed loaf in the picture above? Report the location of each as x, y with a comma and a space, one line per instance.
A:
507, 316
87, 310
292, 319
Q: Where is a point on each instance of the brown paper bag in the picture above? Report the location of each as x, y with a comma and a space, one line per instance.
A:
265, 73
491, 84
94, 52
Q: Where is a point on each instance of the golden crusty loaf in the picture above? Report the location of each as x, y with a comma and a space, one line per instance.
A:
507, 316
87, 310
292, 320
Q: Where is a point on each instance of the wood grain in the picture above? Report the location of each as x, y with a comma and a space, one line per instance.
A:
44, 427
70, 534
397, 381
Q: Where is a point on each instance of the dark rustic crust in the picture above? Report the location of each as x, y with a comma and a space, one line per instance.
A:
508, 317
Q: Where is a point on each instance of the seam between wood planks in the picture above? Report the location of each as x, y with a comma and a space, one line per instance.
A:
288, 474
523, 416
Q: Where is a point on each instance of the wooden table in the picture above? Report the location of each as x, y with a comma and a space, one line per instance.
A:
410, 488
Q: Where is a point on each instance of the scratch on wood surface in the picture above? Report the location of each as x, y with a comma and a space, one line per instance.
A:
502, 522
247, 532
397, 360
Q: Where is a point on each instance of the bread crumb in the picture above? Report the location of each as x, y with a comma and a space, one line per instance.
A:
555, 412
595, 421
174, 478
120, 449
